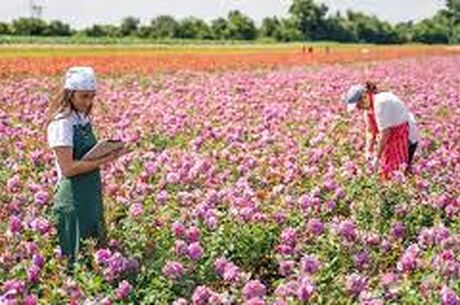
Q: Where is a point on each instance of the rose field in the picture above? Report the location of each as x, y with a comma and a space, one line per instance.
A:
246, 184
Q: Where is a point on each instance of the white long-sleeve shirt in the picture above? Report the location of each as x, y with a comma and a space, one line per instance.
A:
390, 111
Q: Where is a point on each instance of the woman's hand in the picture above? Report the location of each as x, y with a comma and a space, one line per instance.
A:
368, 155
375, 163
114, 155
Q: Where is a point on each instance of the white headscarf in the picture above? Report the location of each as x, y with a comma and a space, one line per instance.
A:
80, 78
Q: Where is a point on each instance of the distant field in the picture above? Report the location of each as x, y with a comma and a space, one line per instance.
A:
50, 59
48, 48
52, 49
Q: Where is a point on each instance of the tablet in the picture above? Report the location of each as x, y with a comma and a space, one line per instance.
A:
102, 149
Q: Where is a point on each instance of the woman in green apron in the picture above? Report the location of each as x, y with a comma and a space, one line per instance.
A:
78, 209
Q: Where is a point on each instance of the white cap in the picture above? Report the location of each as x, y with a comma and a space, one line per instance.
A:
80, 78
352, 107
352, 97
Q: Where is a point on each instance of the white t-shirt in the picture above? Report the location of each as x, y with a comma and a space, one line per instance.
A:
390, 111
60, 132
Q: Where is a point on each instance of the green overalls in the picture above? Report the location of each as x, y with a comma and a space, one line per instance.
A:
78, 209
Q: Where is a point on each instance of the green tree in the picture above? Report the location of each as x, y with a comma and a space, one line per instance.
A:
220, 28
144, 31
371, 29
341, 29
129, 26
270, 27
29, 26
308, 20
288, 31
163, 26
453, 14
309, 17
4, 28
194, 28
433, 30
453, 7
98, 30
240, 26
58, 28
95, 30
455, 35
405, 31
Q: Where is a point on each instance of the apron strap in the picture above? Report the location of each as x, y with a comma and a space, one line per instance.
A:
371, 115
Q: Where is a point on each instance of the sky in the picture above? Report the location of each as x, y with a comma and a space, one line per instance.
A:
82, 13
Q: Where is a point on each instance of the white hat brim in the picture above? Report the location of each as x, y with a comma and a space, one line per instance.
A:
352, 107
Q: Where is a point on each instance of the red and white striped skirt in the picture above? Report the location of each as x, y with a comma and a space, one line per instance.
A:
396, 151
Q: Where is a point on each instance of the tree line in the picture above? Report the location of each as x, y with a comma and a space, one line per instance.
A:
307, 21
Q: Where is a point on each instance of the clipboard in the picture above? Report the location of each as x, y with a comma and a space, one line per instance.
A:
102, 149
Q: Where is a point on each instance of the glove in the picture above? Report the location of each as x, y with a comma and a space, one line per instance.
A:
368, 156
375, 163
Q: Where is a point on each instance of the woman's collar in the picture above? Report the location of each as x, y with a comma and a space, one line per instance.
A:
80, 116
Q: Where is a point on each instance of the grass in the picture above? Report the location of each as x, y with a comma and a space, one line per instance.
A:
75, 40
25, 46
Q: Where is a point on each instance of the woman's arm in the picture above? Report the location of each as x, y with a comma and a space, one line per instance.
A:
71, 167
382, 141
371, 139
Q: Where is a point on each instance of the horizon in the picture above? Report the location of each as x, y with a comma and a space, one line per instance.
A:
87, 15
